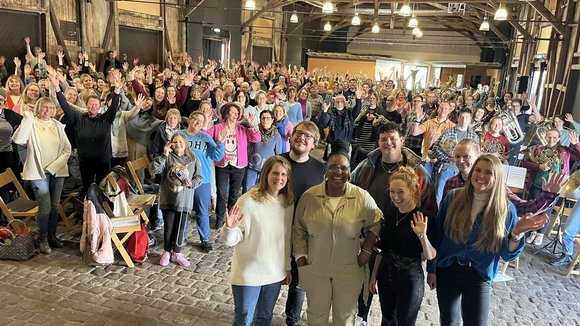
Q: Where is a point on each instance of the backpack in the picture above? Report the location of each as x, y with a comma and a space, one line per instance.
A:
138, 245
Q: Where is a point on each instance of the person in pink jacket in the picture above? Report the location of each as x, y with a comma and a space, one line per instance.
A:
231, 168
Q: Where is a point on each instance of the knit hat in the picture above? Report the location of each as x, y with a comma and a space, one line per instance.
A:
3, 92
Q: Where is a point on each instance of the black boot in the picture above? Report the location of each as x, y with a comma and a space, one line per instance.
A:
43, 246
54, 241
562, 260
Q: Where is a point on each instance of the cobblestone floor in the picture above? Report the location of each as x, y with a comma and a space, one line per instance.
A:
60, 290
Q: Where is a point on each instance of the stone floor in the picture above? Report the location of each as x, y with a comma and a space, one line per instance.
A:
60, 290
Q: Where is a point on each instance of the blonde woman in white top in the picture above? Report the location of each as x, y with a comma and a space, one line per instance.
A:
48, 150
259, 226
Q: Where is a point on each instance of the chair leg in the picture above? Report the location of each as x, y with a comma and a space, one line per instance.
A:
504, 266
119, 244
575, 261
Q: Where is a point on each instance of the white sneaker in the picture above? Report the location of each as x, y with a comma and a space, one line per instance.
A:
539, 239
360, 322
531, 237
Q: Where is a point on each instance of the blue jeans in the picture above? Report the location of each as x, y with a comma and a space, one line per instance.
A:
251, 179
571, 229
47, 192
253, 305
201, 200
440, 180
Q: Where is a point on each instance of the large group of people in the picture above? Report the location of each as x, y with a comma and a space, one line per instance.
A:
408, 177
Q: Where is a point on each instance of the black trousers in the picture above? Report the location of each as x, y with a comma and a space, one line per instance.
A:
401, 286
225, 177
93, 170
461, 291
174, 230
295, 298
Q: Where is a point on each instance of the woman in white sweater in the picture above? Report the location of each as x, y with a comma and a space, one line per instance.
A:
259, 226
45, 166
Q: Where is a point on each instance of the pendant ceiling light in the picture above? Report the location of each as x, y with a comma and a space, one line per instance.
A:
484, 27
327, 7
250, 5
405, 10
376, 28
355, 20
416, 31
413, 22
294, 17
501, 13
327, 27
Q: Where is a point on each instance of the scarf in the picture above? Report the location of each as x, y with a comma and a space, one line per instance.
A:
303, 103
268, 134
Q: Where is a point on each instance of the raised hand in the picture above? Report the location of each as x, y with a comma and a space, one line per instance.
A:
573, 137
569, 117
532, 101
17, 62
234, 217
251, 120
555, 182
359, 92
27, 40
419, 223
135, 62
139, 100
221, 137
325, 106
530, 222
125, 65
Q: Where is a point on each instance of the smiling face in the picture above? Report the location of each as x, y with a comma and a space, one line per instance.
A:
277, 178
496, 125
266, 119
172, 120
233, 114
278, 112
463, 120
464, 157
337, 172
71, 95
159, 94
178, 144
171, 92
390, 144
482, 177
401, 195
93, 106
46, 111
558, 123
302, 141
552, 137
33, 92
195, 123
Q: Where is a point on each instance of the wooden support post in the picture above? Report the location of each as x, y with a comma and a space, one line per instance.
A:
58, 33
109, 30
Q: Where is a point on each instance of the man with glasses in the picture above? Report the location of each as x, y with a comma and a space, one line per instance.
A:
306, 172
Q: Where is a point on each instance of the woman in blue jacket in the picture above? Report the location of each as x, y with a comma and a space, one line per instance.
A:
476, 226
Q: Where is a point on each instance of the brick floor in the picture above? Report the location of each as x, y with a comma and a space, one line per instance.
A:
60, 290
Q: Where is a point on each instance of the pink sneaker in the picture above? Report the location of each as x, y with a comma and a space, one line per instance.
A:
164, 261
180, 259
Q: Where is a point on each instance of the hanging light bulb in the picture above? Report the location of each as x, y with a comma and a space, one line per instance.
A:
501, 13
375, 28
355, 20
484, 27
405, 10
294, 17
250, 5
416, 31
420, 34
327, 7
413, 22
327, 27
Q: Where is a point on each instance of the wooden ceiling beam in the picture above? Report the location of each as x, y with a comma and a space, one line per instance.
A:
341, 24
544, 12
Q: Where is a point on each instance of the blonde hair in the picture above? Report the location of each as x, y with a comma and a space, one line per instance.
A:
281, 107
24, 96
410, 178
41, 102
173, 112
458, 223
260, 191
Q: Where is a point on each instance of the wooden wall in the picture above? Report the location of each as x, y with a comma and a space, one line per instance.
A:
343, 66
96, 16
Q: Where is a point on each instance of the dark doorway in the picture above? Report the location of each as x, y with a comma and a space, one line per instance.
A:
262, 55
140, 43
212, 49
15, 25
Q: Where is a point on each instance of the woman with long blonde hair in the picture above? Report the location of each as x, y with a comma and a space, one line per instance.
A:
476, 226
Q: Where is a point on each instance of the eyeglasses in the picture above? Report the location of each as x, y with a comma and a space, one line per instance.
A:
337, 167
299, 134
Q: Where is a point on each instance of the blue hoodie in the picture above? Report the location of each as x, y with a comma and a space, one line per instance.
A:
206, 150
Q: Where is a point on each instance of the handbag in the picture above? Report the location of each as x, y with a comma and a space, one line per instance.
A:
16, 241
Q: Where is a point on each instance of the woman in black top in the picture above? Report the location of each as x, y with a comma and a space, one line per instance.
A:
404, 239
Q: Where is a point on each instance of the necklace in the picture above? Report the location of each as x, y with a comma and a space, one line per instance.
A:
402, 218
392, 168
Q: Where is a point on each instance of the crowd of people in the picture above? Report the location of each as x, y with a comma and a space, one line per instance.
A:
406, 177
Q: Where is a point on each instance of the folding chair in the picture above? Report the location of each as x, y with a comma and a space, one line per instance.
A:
142, 200
575, 261
22, 207
123, 228
137, 203
67, 200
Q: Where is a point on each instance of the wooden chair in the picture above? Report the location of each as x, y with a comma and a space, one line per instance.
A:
123, 228
141, 201
7, 178
137, 203
575, 261
67, 200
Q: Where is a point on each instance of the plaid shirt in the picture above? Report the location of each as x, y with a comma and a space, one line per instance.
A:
410, 140
449, 135
522, 206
